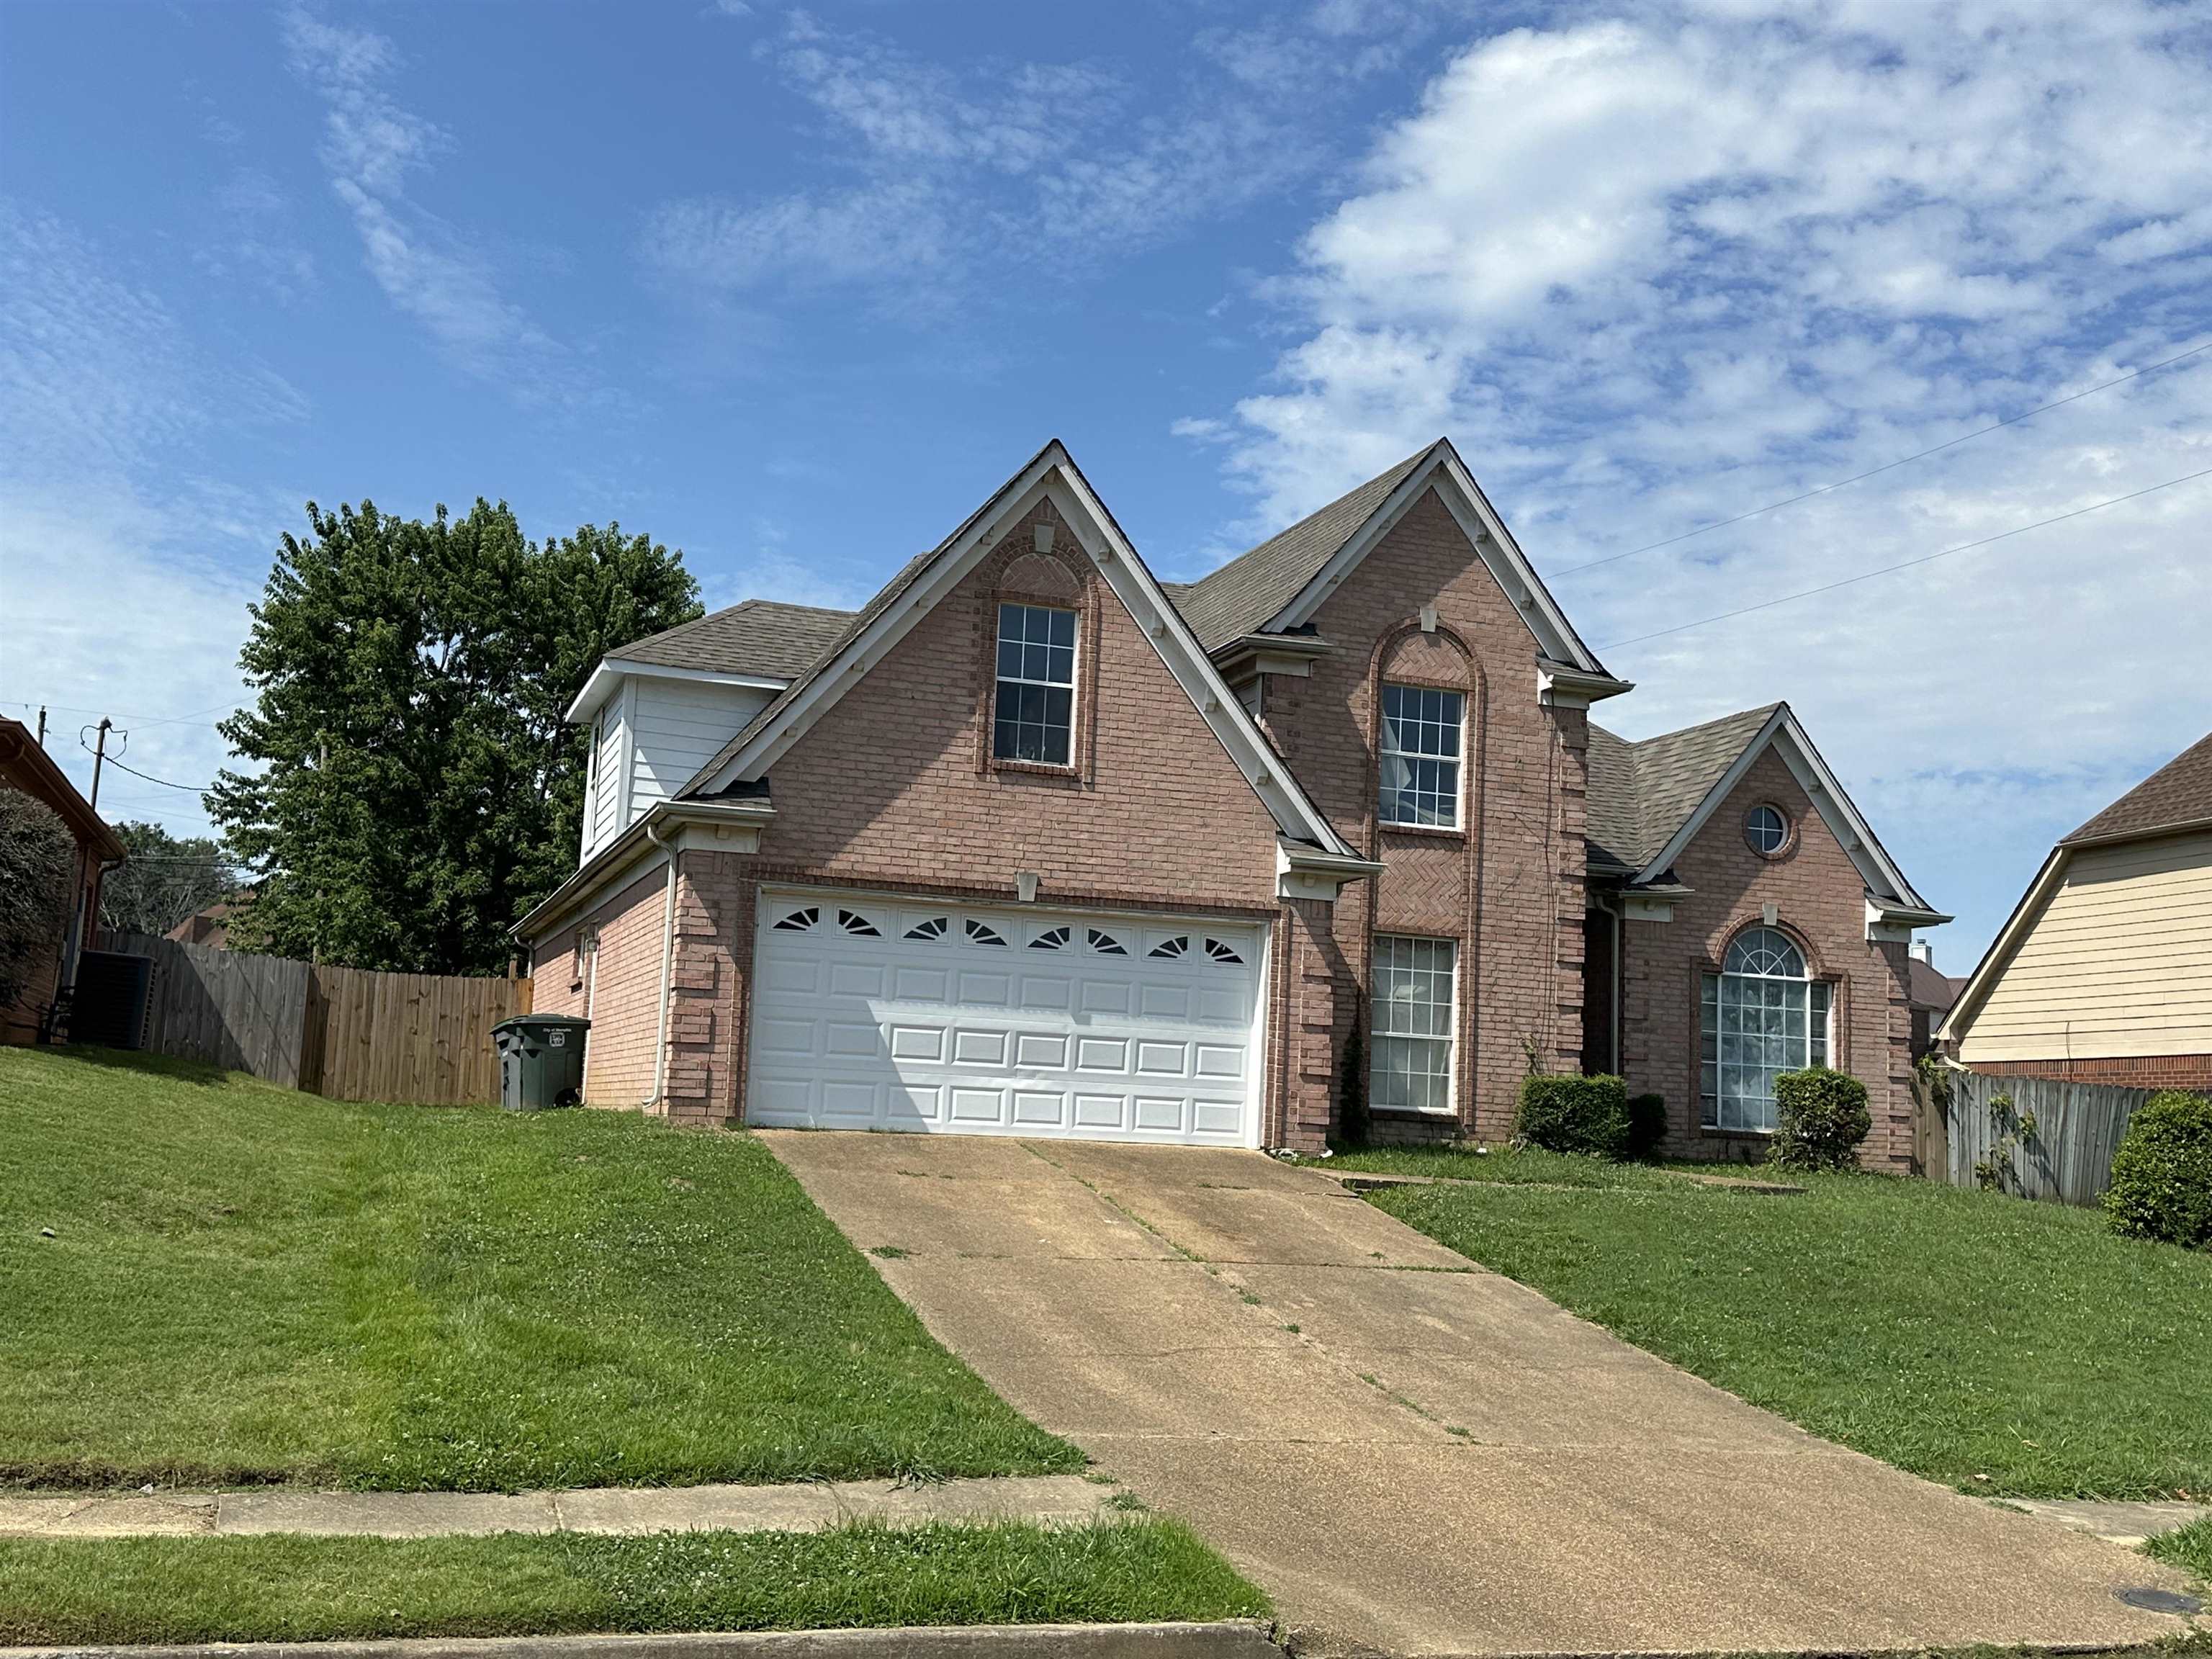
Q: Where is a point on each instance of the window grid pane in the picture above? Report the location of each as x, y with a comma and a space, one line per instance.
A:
1035, 707
1414, 1024
1420, 755
1758, 1019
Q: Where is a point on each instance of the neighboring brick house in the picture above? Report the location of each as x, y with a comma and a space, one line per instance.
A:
25, 766
2103, 974
1032, 844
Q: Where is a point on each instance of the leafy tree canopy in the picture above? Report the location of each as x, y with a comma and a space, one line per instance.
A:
165, 878
417, 790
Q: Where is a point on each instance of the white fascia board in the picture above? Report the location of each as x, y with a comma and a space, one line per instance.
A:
612, 669
1883, 878
1307, 872
1493, 544
728, 827
1959, 1019
1053, 476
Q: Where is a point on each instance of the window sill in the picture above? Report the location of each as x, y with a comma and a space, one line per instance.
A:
1431, 831
1735, 1134
1032, 769
1447, 1113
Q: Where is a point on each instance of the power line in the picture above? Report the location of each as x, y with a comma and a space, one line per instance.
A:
191, 718
189, 788
1906, 564
1902, 460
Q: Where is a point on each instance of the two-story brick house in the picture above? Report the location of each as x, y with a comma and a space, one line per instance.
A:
1032, 844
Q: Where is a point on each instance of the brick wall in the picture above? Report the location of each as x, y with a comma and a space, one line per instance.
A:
1820, 900
894, 788
1508, 887
2128, 1072
616, 987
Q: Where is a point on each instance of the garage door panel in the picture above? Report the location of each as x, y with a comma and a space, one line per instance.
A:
904, 1017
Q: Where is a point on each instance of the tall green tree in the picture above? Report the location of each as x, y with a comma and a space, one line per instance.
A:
165, 878
417, 790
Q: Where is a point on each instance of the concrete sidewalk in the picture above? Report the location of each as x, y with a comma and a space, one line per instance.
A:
1414, 1455
806, 1506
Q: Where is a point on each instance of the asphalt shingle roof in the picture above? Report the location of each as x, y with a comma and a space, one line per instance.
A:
1640, 794
759, 636
1240, 597
2178, 793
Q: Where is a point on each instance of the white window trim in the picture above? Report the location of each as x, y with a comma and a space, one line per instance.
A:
1720, 977
1384, 752
1073, 686
1450, 1038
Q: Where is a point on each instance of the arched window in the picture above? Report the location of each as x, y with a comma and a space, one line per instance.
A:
1762, 1014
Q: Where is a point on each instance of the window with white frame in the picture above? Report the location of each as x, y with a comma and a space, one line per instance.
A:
1762, 1014
1420, 756
1034, 710
1414, 1022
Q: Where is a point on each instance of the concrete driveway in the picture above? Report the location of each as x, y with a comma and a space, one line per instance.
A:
1414, 1455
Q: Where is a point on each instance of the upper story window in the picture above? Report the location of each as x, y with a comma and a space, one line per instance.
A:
1034, 709
1420, 756
1766, 830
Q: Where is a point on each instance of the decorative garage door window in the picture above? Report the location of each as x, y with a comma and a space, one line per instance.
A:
1004, 1022
1414, 1024
1763, 1014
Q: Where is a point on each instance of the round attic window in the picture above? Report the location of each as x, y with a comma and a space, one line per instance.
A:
1766, 830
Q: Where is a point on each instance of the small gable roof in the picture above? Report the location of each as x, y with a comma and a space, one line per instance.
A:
762, 637
1647, 799
2178, 796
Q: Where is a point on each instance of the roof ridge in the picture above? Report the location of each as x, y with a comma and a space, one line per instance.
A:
1764, 711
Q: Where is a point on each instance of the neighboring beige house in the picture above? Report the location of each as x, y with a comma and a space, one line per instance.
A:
2103, 973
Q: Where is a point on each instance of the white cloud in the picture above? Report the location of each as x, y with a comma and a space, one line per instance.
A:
1651, 270
371, 144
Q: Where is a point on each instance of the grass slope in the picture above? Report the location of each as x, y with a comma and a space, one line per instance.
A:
283, 1589
1999, 1345
251, 1285
2189, 1548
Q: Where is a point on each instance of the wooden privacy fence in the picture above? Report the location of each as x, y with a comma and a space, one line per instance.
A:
345, 1032
2037, 1137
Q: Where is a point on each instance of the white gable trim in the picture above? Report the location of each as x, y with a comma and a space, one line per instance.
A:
1493, 544
1990, 968
1782, 733
1052, 475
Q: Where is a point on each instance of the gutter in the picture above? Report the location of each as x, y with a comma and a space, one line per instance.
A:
747, 817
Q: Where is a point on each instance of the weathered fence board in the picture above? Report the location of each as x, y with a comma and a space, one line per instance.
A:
244, 1013
345, 1032
2068, 1158
407, 1037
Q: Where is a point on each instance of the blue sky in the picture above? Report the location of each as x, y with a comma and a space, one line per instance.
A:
792, 290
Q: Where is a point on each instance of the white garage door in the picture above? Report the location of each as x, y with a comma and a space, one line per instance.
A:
894, 1015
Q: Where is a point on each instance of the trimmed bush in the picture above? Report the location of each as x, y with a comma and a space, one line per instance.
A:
2162, 1173
1562, 1114
1647, 1124
1820, 1116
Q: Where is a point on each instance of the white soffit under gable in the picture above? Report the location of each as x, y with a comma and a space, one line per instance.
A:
614, 665
1053, 476
1787, 738
1485, 530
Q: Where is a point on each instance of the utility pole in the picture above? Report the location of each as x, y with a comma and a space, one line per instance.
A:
99, 759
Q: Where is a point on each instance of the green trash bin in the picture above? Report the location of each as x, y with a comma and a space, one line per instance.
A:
541, 1061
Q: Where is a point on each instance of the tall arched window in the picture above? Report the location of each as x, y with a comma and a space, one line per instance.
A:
1763, 1013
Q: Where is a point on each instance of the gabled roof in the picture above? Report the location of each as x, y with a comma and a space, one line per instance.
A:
1278, 586
2178, 796
1239, 598
759, 636
1050, 475
1648, 799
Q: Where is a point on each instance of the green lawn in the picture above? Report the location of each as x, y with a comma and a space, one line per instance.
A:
2003, 1346
290, 1588
2189, 1549
248, 1285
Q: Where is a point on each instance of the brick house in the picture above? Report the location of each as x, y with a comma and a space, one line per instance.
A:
1034, 844
2103, 973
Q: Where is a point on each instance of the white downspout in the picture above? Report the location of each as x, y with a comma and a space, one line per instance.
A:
667, 969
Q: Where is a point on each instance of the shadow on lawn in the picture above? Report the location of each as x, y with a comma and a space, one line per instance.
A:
172, 1066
